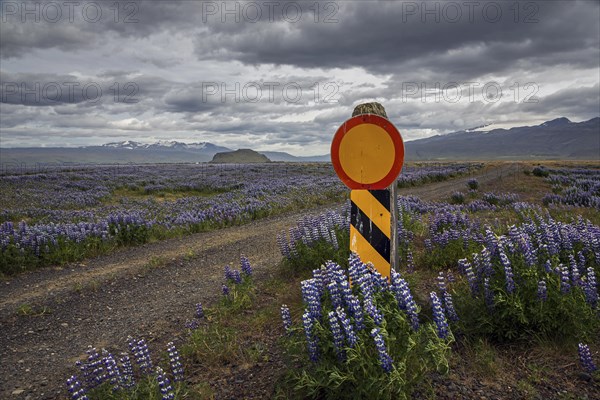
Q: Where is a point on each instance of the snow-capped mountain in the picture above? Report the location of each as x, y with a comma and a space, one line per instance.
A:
164, 144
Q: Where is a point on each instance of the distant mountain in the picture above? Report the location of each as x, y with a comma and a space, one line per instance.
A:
241, 156
165, 145
556, 139
117, 152
130, 151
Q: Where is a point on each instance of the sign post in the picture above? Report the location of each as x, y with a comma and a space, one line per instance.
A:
367, 153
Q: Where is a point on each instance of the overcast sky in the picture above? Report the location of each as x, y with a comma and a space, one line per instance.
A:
283, 75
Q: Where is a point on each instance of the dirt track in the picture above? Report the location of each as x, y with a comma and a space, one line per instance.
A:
147, 291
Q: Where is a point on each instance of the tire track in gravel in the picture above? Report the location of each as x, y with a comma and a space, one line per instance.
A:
486, 176
102, 301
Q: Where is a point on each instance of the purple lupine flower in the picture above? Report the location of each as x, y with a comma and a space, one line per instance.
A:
582, 261
527, 249
441, 282
199, 311
585, 356
127, 378
112, 370
565, 286
488, 294
468, 270
438, 316
463, 264
491, 240
542, 291
175, 362
143, 357
192, 325
359, 274
338, 336
311, 339
548, 266
510, 283
379, 281
164, 384
132, 343
356, 311
334, 240
410, 263
93, 369
345, 289
486, 262
591, 287
372, 311
76, 392
246, 267
284, 248
348, 330
286, 317
449, 307
428, 245
319, 277
311, 297
225, 290
227, 273
235, 276
385, 360
334, 293
405, 299
575, 277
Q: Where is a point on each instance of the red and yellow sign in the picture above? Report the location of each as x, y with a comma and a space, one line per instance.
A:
367, 152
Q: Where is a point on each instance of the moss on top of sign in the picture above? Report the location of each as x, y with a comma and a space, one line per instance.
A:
369, 108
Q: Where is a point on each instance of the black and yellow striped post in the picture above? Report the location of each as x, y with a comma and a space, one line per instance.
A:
367, 153
371, 227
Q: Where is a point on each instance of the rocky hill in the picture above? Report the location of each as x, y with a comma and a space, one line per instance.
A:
241, 156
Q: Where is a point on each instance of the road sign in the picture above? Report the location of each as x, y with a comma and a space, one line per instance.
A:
370, 228
367, 152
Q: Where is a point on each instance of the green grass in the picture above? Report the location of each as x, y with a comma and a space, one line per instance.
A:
121, 193
33, 311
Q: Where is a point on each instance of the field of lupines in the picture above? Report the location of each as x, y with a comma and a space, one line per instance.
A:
65, 214
577, 187
488, 268
530, 278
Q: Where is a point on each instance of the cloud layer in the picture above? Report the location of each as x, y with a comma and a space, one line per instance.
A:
283, 75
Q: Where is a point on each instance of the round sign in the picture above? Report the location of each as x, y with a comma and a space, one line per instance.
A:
367, 152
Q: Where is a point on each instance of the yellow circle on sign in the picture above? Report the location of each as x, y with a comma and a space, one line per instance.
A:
367, 153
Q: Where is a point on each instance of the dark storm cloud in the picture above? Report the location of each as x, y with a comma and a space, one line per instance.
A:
72, 26
386, 36
468, 38
193, 67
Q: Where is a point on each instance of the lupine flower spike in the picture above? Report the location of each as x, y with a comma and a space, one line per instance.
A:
542, 291
199, 311
385, 360
164, 384
585, 356
438, 316
311, 339
175, 362
286, 317
76, 392
246, 267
